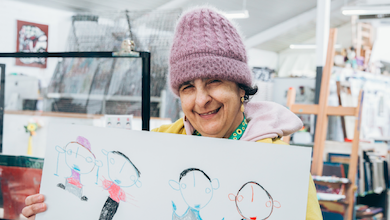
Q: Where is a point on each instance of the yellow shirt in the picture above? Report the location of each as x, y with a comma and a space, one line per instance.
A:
313, 211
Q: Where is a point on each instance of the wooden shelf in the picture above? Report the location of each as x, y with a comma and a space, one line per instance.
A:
65, 114
344, 202
100, 97
335, 180
329, 184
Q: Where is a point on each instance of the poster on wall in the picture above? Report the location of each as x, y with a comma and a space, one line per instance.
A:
100, 173
32, 38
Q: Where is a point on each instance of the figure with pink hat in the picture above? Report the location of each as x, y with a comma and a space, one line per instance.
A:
80, 159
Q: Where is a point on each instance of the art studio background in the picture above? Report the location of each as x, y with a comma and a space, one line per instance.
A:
287, 48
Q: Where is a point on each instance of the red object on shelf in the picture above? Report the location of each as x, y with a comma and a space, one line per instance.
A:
16, 184
347, 140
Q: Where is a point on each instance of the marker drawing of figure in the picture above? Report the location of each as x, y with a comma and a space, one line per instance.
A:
122, 173
80, 159
253, 202
197, 190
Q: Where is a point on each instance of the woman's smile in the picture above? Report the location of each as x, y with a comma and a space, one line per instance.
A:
210, 114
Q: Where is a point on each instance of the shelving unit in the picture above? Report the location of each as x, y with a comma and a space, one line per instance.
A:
105, 98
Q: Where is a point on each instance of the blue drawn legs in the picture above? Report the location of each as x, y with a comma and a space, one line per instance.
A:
60, 150
99, 164
109, 209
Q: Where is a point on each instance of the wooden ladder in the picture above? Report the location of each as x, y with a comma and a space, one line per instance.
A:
322, 110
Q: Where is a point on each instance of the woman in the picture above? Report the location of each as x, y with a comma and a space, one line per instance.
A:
209, 72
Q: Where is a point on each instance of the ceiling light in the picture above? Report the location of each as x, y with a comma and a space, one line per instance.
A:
308, 46
365, 10
237, 14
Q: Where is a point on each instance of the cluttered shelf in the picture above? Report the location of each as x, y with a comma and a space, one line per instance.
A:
365, 212
371, 186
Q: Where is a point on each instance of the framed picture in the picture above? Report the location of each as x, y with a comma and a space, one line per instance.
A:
31, 38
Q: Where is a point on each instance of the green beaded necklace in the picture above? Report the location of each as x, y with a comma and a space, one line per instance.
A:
237, 134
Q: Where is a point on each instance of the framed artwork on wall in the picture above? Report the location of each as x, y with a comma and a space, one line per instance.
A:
32, 38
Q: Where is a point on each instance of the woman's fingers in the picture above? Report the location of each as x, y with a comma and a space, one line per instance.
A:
32, 210
34, 205
37, 198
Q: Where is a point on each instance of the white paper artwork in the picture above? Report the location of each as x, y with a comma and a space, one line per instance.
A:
99, 173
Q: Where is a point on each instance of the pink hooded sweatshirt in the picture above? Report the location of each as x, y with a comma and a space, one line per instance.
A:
266, 120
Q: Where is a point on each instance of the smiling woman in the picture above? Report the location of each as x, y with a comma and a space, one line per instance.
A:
209, 72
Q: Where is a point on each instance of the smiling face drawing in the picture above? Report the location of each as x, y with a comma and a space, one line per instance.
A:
79, 158
253, 202
195, 187
121, 170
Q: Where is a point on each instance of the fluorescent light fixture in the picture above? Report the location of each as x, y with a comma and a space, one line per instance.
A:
308, 46
365, 10
237, 14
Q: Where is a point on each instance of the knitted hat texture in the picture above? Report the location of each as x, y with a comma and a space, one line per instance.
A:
207, 45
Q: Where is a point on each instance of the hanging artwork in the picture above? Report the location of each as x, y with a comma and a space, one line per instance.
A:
100, 173
31, 38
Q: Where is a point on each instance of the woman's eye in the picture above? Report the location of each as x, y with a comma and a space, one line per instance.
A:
214, 81
186, 87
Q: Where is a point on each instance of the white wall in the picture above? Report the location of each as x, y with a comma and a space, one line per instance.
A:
381, 48
59, 25
302, 62
262, 58
344, 35
297, 62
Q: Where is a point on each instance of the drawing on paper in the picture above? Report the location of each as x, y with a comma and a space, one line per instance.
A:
121, 173
197, 189
253, 202
80, 159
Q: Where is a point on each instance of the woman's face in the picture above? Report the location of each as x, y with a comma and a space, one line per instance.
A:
212, 106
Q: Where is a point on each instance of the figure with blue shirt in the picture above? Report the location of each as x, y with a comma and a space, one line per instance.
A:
197, 190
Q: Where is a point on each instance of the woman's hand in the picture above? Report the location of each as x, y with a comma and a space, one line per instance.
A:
34, 205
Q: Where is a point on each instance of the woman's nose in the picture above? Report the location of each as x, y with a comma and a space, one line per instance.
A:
202, 98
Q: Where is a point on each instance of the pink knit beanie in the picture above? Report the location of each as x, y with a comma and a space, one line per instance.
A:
207, 45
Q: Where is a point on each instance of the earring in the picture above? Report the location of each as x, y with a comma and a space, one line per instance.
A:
185, 118
242, 104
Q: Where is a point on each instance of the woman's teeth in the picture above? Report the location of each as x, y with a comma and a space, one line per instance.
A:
209, 113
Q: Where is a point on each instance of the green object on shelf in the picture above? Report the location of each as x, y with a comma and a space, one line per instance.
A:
21, 161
